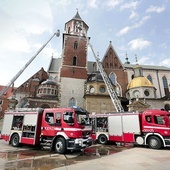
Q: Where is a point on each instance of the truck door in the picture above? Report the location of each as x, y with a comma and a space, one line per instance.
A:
7, 125
51, 124
162, 124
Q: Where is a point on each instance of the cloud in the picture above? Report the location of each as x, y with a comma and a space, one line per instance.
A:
60, 2
164, 46
139, 44
34, 21
133, 15
17, 28
143, 60
92, 3
15, 43
124, 31
113, 3
165, 62
131, 5
47, 51
155, 9
141, 22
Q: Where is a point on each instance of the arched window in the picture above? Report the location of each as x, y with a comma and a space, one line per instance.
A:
116, 65
76, 28
113, 78
72, 102
165, 84
132, 76
75, 45
149, 78
68, 29
74, 61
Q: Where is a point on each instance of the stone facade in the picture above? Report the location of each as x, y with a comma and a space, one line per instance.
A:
72, 92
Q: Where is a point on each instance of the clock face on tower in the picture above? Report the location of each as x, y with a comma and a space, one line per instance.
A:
92, 90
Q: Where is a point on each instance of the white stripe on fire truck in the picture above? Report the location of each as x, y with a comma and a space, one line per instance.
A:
156, 127
68, 129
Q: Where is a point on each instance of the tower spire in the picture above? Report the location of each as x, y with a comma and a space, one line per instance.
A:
136, 58
126, 58
77, 16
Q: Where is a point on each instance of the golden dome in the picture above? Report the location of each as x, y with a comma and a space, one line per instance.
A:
139, 82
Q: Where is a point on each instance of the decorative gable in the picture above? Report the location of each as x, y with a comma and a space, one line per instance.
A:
111, 59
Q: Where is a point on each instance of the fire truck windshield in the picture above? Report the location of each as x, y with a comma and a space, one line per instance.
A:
82, 118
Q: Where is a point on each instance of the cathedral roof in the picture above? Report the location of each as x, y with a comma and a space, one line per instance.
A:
95, 76
139, 82
147, 67
91, 66
49, 81
54, 66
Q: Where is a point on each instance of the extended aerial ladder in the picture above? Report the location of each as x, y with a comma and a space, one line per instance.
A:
111, 91
108, 84
27, 64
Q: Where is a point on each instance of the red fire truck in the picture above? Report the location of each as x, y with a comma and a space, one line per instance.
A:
60, 129
151, 127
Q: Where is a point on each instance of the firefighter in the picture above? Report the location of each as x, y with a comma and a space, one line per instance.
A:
148, 119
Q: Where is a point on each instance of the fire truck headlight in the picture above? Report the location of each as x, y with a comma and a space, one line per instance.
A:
80, 142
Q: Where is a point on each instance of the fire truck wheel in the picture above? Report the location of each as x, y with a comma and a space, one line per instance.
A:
15, 140
154, 142
60, 145
102, 139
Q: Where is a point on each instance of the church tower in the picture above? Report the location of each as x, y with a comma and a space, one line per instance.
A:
73, 73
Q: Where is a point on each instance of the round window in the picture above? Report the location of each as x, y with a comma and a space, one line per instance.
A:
146, 92
136, 93
102, 89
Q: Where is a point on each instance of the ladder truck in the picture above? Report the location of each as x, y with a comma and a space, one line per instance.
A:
59, 129
148, 128
27, 64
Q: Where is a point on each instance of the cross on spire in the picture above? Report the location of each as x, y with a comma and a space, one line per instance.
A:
136, 58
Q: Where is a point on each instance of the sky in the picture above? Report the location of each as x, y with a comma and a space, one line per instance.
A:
134, 27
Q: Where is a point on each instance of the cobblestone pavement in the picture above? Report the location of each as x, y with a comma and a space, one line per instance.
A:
137, 158
26, 157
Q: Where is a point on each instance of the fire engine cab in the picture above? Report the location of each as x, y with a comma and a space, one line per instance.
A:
151, 127
60, 129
